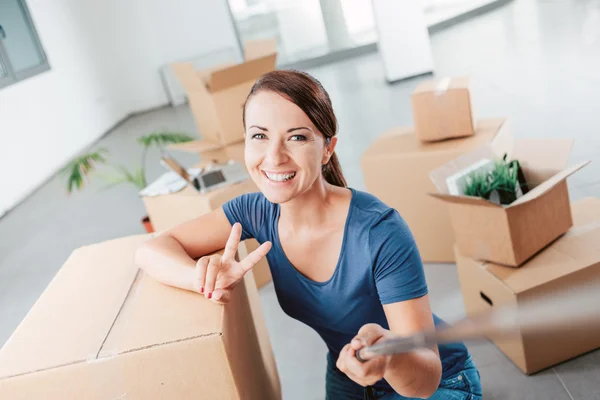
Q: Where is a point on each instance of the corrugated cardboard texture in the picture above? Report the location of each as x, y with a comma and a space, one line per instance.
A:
442, 109
103, 331
396, 169
572, 260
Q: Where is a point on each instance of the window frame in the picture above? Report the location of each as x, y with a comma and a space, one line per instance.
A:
13, 77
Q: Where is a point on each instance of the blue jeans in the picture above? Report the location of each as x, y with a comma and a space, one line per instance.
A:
464, 385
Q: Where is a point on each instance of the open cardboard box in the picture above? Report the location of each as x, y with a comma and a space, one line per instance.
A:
511, 234
104, 330
570, 261
216, 95
442, 109
396, 169
169, 210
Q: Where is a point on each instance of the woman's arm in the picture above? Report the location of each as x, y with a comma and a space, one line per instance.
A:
418, 373
170, 257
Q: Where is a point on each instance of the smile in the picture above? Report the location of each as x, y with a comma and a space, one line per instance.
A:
278, 177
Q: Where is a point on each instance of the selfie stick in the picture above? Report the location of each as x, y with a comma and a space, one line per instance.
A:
577, 308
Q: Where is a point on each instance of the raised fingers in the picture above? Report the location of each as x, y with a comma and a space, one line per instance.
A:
200, 277
212, 271
253, 258
231, 247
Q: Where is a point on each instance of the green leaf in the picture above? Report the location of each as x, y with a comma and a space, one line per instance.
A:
81, 167
162, 139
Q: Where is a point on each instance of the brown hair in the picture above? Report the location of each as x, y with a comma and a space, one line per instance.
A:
308, 94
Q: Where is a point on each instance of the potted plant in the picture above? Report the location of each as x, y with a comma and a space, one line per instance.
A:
79, 170
503, 184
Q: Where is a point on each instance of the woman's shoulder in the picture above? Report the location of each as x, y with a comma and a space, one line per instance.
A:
372, 207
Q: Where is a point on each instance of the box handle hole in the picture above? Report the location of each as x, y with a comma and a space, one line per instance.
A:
486, 299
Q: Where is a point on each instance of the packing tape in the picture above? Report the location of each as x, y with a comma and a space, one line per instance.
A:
442, 86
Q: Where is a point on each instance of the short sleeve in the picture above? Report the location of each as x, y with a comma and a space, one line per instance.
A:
249, 210
397, 265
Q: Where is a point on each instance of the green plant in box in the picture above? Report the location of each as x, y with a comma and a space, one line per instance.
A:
503, 184
79, 170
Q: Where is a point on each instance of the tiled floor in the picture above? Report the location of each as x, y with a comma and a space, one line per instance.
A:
535, 62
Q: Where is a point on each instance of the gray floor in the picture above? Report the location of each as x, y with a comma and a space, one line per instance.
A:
536, 62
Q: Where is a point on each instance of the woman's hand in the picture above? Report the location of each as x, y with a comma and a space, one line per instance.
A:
217, 275
368, 372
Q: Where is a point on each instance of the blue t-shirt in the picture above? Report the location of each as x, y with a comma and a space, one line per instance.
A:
379, 264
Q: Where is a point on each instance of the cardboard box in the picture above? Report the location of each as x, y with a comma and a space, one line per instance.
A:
574, 259
216, 95
209, 151
511, 234
104, 330
169, 210
442, 109
396, 169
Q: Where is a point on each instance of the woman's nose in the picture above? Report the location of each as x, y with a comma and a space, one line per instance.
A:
276, 153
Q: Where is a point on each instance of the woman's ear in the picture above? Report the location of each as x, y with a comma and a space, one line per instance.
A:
329, 149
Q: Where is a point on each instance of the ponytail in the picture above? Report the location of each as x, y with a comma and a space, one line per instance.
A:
332, 171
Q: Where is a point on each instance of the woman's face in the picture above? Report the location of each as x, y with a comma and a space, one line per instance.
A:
284, 151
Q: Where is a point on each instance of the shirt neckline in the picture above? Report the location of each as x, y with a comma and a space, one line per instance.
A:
341, 255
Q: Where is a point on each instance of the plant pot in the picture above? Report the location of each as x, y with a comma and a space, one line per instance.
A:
147, 224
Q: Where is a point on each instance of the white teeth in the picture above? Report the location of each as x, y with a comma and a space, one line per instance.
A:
280, 177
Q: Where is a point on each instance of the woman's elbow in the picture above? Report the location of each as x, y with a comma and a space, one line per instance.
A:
430, 383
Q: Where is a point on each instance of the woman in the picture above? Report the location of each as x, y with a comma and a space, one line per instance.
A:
342, 262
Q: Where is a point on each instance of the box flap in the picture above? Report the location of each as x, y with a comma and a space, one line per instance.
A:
241, 73
548, 184
577, 249
187, 77
542, 158
464, 200
98, 305
403, 141
442, 84
254, 49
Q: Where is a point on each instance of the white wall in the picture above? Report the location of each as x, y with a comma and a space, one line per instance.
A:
105, 58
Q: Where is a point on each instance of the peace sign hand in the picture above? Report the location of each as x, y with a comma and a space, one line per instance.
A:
217, 275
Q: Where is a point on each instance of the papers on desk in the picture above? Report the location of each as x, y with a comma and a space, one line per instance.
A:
168, 182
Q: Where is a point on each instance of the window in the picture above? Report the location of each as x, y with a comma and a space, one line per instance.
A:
21, 53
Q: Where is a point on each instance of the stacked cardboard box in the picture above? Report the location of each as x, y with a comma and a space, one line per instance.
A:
396, 166
535, 244
566, 264
104, 330
216, 96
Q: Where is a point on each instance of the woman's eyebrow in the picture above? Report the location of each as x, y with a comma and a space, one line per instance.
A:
259, 127
299, 128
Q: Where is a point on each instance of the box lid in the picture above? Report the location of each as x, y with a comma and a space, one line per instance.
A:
237, 74
576, 250
442, 84
99, 305
403, 141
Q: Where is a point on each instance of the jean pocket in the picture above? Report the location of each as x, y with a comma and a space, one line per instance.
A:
459, 381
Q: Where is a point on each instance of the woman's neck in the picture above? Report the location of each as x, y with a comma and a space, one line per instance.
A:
312, 208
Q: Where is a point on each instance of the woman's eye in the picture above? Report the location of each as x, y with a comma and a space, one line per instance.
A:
297, 138
259, 136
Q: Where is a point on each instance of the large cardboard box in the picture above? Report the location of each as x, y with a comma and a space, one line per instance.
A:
396, 169
216, 95
169, 210
511, 234
442, 109
104, 330
572, 260
213, 152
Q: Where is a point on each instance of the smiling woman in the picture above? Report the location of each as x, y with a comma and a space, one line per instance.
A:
342, 261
